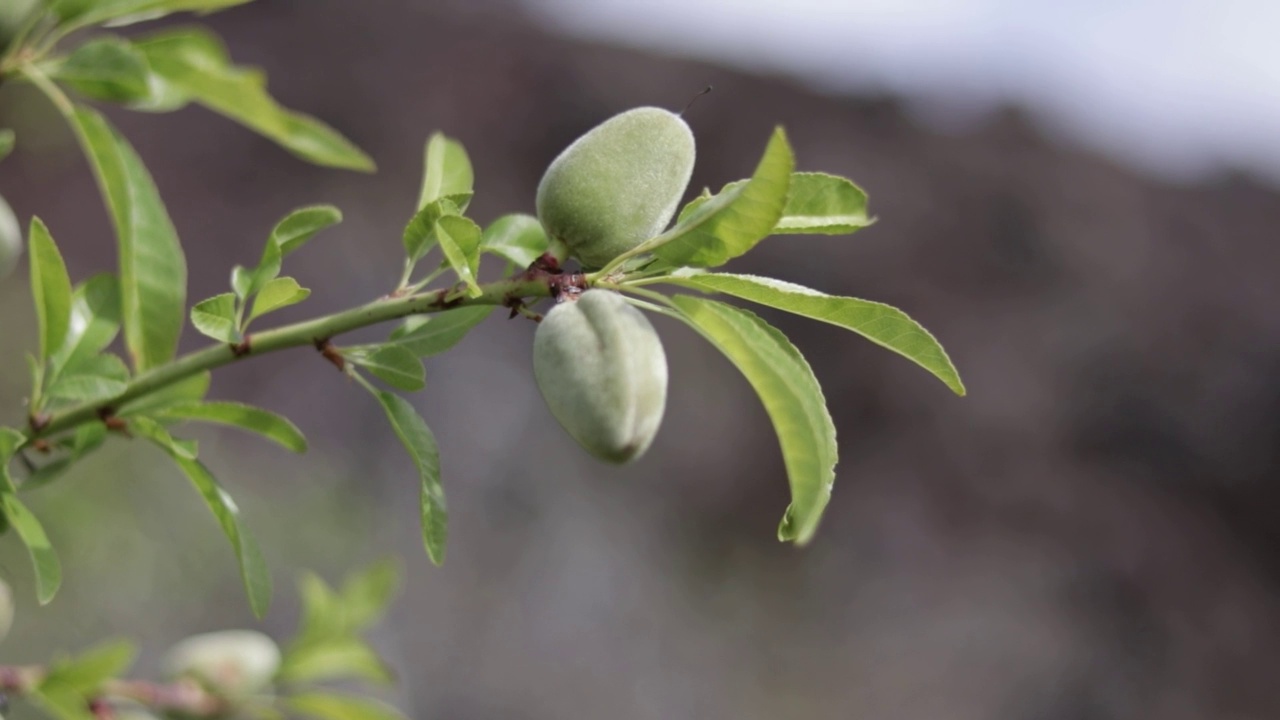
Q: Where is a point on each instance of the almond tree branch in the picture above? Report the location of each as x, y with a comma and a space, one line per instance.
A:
533, 283
184, 696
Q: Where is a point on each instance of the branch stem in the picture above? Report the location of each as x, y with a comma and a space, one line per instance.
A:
50, 89
531, 283
183, 696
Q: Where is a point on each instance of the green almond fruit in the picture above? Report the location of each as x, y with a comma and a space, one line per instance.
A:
234, 662
600, 367
10, 239
6, 609
618, 185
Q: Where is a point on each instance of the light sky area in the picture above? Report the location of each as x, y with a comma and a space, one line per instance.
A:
1179, 87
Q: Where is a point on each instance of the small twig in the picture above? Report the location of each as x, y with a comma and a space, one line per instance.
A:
101, 709
519, 307
330, 353
406, 289
242, 348
115, 424
184, 696
19, 680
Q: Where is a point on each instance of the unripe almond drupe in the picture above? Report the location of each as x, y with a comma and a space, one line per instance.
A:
600, 366
618, 185
10, 239
234, 662
6, 609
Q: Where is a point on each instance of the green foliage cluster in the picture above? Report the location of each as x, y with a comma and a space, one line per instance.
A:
238, 673
84, 393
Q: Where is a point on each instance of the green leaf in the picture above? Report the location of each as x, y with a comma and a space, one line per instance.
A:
421, 444
50, 287
87, 672
189, 389
10, 441
106, 68
65, 10
329, 706
83, 13
274, 427
95, 322
817, 204
268, 268
241, 281
332, 619
162, 96
44, 560
7, 140
334, 658
195, 62
35, 371
823, 204
301, 225
366, 595
152, 430
420, 234
791, 396
427, 335
153, 272
107, 365
731, 223
294, 230
155, 9
253, 570
882, 324
87, 388
216, 318
460, 242
276, 294
518, 238
324, 616
394, 365
327, 646
96, 378
446, 173
62, 702
704, 196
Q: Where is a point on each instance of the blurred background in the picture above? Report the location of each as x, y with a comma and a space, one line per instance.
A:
1078, 199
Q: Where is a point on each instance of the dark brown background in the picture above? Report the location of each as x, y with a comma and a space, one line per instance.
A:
1090, 534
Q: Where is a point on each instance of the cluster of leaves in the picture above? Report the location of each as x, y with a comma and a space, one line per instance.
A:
710, 231
329, 647
75, 375
146, 297
260, 290
144, 300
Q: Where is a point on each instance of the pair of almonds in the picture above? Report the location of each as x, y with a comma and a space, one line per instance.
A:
597, 360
